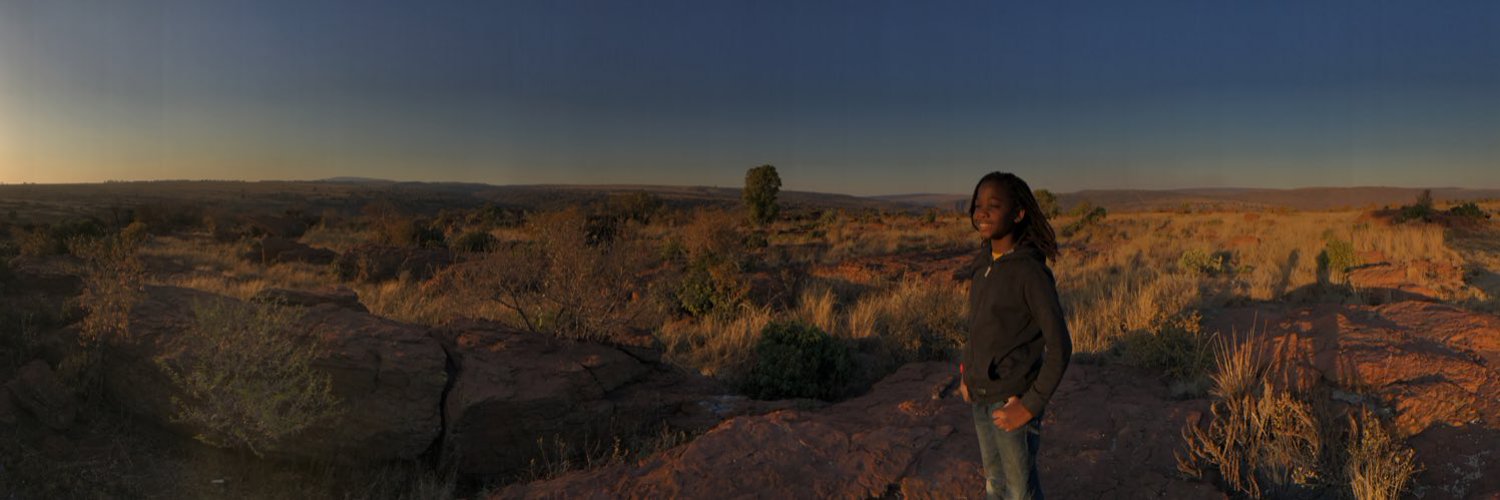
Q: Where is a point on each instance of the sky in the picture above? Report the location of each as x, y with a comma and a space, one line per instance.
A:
860, 97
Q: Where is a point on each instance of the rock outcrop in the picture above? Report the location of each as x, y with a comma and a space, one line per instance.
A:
1109, 433
341, 297
512, 389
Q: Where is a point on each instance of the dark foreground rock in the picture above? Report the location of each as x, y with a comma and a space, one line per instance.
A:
1107, 434
517, 395
38, 390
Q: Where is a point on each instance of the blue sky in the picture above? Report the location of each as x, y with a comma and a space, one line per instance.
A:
859, 97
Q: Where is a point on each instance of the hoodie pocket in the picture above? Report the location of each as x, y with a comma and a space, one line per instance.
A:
1010, 363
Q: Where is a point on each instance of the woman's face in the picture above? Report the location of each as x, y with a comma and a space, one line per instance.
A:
995, 214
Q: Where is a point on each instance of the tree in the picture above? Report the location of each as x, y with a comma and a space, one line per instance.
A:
1047, 201
761, 185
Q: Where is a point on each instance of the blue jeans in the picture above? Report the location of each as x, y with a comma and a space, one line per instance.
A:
1009, 457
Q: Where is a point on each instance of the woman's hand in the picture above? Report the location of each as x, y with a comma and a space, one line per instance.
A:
1011, 416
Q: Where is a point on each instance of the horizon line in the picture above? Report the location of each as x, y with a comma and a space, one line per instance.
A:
359, 179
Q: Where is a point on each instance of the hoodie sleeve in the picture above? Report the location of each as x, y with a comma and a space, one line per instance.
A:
1040, 291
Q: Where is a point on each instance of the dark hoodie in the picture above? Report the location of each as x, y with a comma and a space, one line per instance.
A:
1018, 339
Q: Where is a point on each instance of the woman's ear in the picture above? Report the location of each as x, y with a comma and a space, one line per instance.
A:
1020, 215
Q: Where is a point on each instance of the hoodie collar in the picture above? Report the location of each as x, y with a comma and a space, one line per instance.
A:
1021, 250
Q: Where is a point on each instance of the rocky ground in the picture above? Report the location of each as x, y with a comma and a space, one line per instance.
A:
484, 395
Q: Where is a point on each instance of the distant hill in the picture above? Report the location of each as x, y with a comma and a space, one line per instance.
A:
550, 195
51, 202
355, 180
1314, 198
349, 194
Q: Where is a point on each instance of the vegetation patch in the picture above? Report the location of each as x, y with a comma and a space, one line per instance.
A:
797, 360
247, 377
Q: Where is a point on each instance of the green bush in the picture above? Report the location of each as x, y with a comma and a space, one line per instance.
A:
797, 360
1413, 212
250, 381
710, 285
1337, 256
1196, 261
1178, 348
1088, 215
1469, 209
1421, 210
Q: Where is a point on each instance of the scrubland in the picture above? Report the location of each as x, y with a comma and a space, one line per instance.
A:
876, 289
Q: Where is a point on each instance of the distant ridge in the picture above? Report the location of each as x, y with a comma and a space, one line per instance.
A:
1310, 198
348, 179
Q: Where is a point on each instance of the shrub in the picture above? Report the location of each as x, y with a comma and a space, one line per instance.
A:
1178, 348
473, 241
1196, 261
1047, 202
709, 286
638, 206
248, 379
1379, 466
55, 239
1264, 439
563, 284
112, 276
394, 226
1470, 210
797, 360
1421, 210
1336, 258
1088, 215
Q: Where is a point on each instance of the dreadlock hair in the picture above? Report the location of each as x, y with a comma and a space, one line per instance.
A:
1033, 228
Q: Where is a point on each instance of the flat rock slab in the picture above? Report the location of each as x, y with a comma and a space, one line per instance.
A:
1107, 434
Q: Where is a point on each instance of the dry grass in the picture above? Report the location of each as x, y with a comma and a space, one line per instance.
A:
200, 263
1379, 466
848, 235
718, 345
1268, 441
1265, 439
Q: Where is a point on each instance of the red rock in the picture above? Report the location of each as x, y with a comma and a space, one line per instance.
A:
341, 297
514, 388
1435, 367
911, 435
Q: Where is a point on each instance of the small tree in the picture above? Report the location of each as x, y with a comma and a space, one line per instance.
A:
761, 186
1047, 201
1424, 200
